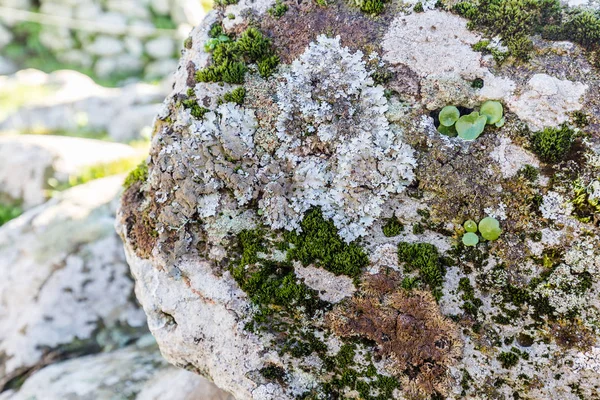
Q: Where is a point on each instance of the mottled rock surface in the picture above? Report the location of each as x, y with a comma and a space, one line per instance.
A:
298, 231
134, 372
66, 288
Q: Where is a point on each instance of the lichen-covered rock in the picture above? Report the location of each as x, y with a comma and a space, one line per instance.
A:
134, 372
296, 231
66, 288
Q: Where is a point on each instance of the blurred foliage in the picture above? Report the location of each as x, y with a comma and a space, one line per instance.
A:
8, 212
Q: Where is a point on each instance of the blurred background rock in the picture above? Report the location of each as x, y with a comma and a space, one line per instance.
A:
80, 84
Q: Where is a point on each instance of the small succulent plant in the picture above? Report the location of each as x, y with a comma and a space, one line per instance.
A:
470, 126
470, 239
489, 228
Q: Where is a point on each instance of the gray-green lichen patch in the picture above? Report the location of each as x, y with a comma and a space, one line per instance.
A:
299, 243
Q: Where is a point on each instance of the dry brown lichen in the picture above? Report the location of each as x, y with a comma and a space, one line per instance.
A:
409, 330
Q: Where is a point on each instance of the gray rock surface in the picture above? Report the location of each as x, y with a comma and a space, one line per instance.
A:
134, 372
66, 288
31, 161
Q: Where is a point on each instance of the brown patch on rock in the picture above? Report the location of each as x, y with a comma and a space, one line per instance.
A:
409, 331
191, 74
139, 220
572, 334
303, 22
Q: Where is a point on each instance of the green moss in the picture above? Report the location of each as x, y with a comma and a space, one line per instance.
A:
418, 7
508, 359
513, 20
139, 174
319, 243
424, 258
8, 212
224, 3
231, 57
216, 30
583, 27
196, 109
372, 7
530, 173
418, 228
273, 373
477, 83
278, 9
235, 96
585, 207
552, 144
392, 227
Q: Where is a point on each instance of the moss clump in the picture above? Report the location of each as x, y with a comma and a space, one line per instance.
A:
424, 258
418, 7
530, 173
583, 27
265, 281
392, 227
552, 144
510, 359
278, 9
273, 373
236, 96
8, 212
230, 58
224, 3
319, 243
139, 174
196, 110
372, 7
585, 206
513, 20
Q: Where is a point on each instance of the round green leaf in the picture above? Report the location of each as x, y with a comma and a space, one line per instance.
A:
449, 115
469, 127
492, 110
500, 123
470, 226
470, 239
447, 130
490, 228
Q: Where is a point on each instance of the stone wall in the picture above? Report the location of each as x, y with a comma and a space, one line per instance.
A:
118, 37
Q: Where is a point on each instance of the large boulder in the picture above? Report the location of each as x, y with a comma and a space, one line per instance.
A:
66, 288
33, 165
300, 228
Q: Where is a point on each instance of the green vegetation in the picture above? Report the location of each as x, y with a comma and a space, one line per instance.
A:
470, 126
196, 109
530, 173
423, 257
490, 228
230, 58
585, 206
449, 115
8, 212
235, 96
392, 227
510, 359
224, 3
470, 226
139, 174
372, 7
418, 7
273, 373
278, 9
552, 144
513, 20
471, 304
470, 239
319, 243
